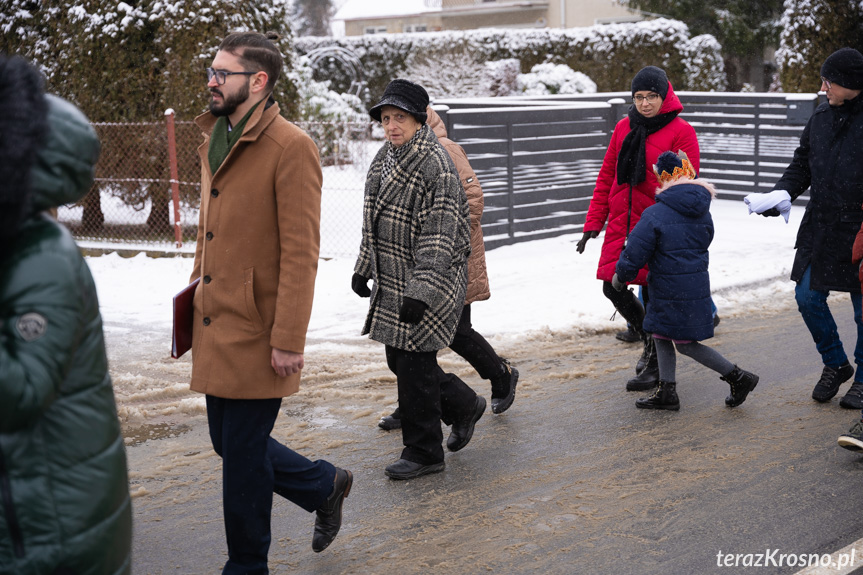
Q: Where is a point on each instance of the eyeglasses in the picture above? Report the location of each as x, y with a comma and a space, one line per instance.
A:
826, 82
221, 75
638, 98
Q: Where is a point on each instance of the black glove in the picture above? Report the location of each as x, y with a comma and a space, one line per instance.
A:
617, 284
412, 310
579, 247
771, 213
360, 285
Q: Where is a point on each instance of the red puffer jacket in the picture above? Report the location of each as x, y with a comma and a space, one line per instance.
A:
612, 201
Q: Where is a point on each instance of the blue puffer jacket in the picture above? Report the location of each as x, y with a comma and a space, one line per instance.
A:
64, 495
672, 238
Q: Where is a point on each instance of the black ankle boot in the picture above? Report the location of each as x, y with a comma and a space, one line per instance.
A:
741, 382
648, 350
392, 421
648, 375
503, 388
665, 397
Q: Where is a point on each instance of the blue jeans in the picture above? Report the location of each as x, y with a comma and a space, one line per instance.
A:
817, 317
254, 466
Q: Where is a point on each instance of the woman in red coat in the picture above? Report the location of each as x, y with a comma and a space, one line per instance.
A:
626, 185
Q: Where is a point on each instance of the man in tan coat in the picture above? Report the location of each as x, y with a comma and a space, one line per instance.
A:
256, 256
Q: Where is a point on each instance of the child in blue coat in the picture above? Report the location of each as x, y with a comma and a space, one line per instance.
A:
672, 238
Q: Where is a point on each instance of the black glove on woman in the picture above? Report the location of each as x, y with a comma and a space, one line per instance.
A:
360, 285
579, 247
412, 310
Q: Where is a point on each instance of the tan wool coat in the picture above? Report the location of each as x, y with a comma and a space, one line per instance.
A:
477, 275
257, 257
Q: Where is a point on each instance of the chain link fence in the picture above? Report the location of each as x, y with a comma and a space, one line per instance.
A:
146, 198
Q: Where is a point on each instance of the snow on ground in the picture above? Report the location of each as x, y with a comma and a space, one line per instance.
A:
537, 287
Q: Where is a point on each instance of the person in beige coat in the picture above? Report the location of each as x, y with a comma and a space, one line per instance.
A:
469, 343
256, 257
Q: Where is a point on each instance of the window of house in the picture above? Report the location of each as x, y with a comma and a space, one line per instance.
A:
416, 28
375, 30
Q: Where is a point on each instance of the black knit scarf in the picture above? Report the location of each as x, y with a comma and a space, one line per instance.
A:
632, 161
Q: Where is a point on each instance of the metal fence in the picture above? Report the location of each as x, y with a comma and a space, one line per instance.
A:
145, 197
537, 160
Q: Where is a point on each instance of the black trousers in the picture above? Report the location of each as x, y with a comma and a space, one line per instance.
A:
426, 394
627, 304
254, 466
474, 348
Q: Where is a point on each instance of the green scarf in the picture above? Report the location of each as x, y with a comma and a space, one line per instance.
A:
222, 140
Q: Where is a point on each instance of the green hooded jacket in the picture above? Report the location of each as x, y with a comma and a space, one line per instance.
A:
64, 494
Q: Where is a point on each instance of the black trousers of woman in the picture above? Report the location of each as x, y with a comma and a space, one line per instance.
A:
474, 348
626, 303
425, 394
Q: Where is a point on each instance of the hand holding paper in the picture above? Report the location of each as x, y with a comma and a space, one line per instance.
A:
776, 200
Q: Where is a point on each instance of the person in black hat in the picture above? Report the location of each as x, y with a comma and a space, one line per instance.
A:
415, 245
469, 343
626, 186
828, 163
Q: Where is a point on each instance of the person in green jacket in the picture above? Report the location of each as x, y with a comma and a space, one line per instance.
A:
64, 490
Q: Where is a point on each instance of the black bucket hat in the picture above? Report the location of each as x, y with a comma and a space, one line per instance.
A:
405, 95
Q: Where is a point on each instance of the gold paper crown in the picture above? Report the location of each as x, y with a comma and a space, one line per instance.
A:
685, 171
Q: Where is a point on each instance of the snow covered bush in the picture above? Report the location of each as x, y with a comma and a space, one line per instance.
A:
554, 79
454, 73
704, 67
501, 76
811, 31
327, 115
129, 61
609, 54
318, 103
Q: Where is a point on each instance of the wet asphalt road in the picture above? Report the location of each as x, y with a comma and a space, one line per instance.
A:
573, 479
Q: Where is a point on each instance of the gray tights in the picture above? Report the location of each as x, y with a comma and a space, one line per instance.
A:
704, 355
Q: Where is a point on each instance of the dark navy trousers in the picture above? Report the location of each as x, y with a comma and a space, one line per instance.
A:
254, 466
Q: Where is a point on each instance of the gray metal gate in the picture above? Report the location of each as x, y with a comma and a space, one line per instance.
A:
538, 158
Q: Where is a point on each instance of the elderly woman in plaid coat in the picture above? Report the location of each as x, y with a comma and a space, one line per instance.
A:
415, 245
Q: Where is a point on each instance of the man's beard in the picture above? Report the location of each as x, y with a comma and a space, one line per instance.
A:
229, 105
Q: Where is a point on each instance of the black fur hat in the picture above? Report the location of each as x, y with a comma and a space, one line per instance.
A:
651, 79
23, 126
844, 68
403, 94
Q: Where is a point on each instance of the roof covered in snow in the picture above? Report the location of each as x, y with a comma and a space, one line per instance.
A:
354, 9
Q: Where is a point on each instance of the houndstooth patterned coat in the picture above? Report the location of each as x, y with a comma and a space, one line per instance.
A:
416, 241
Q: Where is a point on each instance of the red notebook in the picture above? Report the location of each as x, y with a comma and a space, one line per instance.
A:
181, 340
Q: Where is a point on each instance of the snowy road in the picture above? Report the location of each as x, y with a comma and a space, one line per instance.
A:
573, 479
